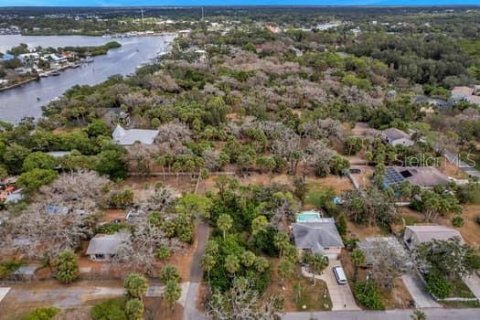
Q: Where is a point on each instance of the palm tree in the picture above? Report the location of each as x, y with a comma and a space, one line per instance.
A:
232, 264
224, 223
358, 258
208, 263
248, 258
285, 269
281, 242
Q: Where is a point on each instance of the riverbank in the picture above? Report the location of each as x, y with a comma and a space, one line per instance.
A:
21, 101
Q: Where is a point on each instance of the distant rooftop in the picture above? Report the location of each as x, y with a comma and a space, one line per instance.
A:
317, 236
106, 243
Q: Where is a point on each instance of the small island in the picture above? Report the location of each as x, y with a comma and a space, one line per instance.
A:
22, 64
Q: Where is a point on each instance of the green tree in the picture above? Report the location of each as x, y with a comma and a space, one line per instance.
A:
248, 258
172, 293
208, 263
259, 224
286, 269
66, 267
163, 253
38, 160
136, 285
34, 179
111, 162
169, 273
281, 242
113, 309
46, 313
358, 259
134, 309
232, 264
224, 223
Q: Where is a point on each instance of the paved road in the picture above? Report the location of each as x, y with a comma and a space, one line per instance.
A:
432, 314
190, 311
467, 168
341, 295
417, 290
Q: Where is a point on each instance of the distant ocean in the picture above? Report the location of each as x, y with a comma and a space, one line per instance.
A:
118, 3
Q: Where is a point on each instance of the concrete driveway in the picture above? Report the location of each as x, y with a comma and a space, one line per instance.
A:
473, 283
341, 295
418, 292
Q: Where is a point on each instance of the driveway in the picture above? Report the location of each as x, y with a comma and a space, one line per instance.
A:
473, 283
341, 295
417, 290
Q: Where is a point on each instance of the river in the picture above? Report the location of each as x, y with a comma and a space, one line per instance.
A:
27, 100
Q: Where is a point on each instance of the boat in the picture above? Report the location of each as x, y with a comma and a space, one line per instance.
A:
38, 98
55, 73
43, 75
88, 60
75, 66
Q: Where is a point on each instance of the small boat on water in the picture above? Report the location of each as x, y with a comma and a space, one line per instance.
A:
55, 73
38, 98
43, 75
88, 60
75, 66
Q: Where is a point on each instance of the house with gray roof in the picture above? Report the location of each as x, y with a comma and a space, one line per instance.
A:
417, 234
127, 137
318, 237
397, 137
104, 247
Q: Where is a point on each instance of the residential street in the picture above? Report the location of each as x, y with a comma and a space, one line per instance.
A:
432, 314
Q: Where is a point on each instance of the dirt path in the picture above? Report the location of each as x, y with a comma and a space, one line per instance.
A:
196, 274
51, 293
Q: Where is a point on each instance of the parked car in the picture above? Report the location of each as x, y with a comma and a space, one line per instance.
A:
339, 275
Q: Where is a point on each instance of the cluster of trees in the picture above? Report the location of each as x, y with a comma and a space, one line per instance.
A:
23, 151
443, 262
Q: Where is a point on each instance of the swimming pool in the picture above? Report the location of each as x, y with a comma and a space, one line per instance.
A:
309, 216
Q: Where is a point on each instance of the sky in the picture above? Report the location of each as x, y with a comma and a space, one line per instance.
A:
107, 3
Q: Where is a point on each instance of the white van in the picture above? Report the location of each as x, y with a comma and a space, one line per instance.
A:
339, 275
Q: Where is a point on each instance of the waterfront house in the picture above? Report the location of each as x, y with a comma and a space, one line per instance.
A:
417, 234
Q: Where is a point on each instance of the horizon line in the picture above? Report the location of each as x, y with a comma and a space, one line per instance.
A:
250, 5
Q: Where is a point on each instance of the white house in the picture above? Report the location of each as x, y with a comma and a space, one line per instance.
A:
397, 137
417, 234
105, 246
126, 137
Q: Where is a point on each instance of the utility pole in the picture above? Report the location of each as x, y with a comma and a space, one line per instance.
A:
142, 18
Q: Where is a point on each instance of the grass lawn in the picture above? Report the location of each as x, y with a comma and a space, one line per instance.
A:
309, 296
460, 289
299, 291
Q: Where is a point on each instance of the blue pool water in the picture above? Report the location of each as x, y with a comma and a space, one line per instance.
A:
308, 216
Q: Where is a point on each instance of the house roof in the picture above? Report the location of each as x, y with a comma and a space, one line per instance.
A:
106, 243
59, 154
426, 177
393, 134
426, 233
317, 236
127, 137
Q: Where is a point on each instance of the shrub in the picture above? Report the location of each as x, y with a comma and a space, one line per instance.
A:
122, 199
109, 310
8, 267
437, 284
46, 313
367, 295
458, 221
110, 228
163, 253
66, 267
